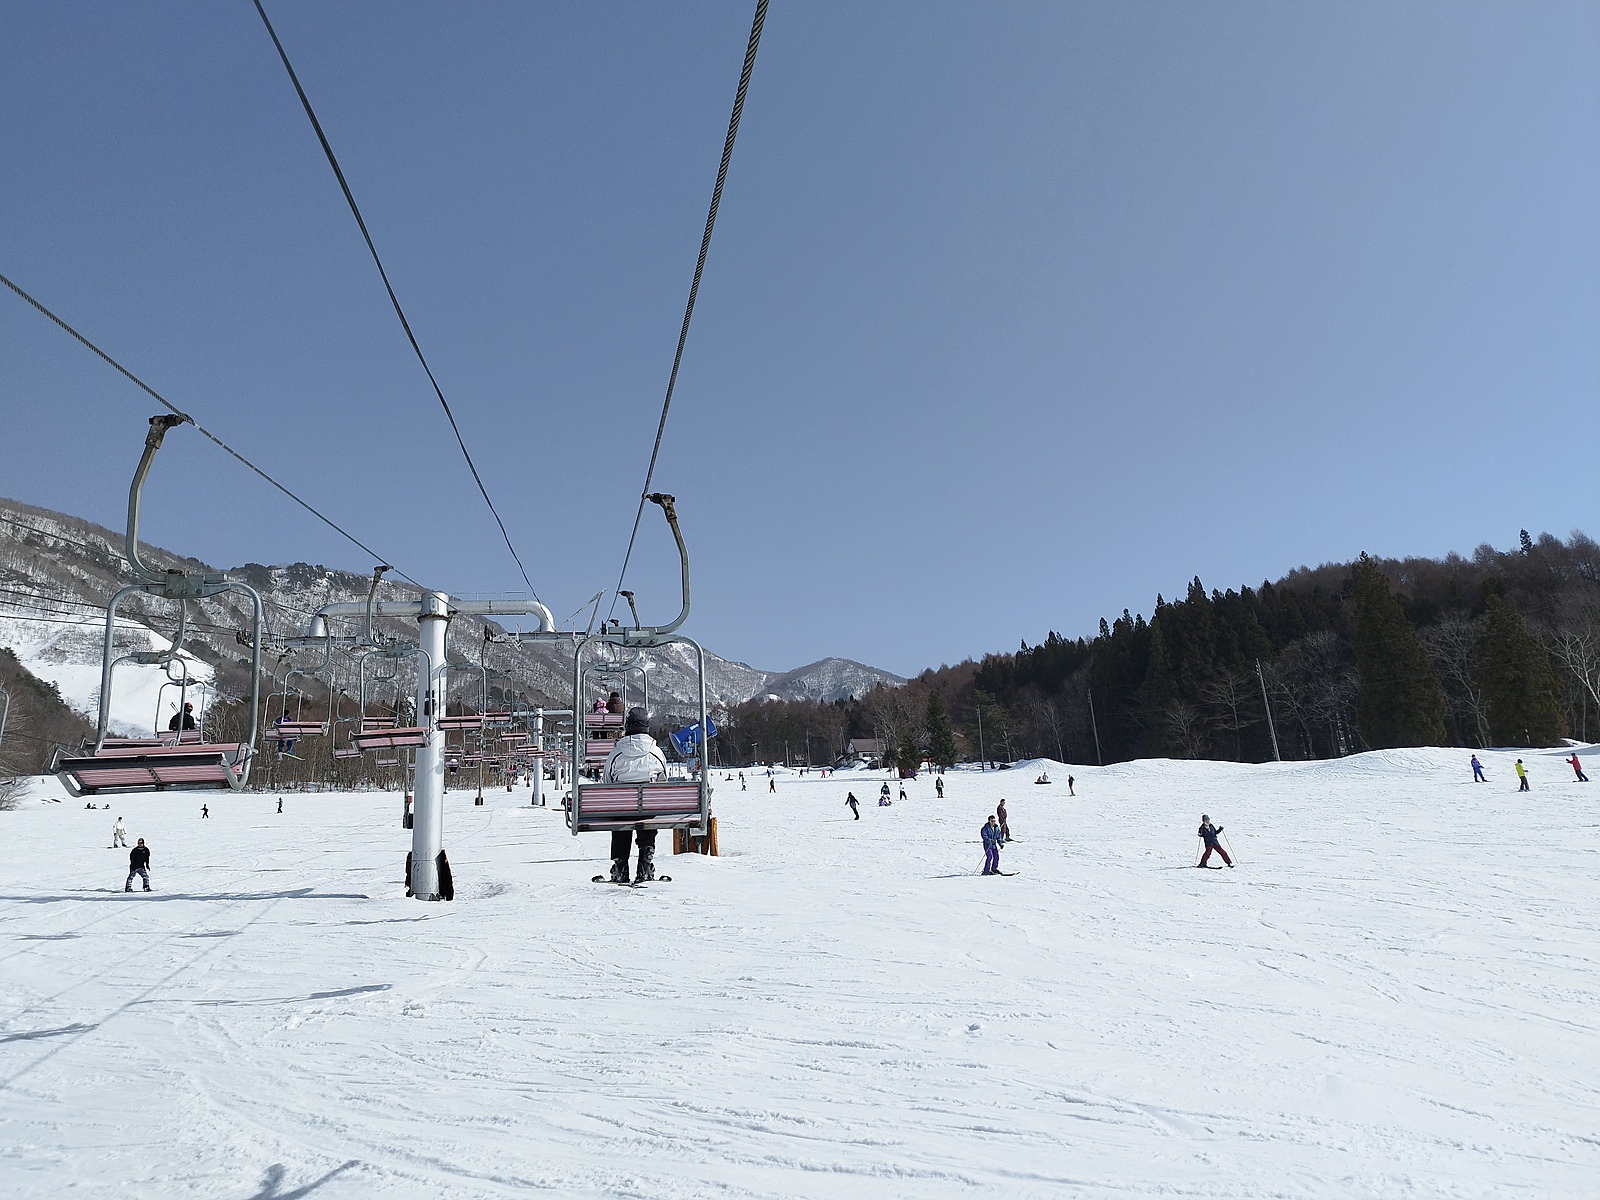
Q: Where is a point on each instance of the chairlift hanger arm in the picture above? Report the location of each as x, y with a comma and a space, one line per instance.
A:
645, 634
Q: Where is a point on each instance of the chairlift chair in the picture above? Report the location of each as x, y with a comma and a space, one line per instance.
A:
597, 807
109, 767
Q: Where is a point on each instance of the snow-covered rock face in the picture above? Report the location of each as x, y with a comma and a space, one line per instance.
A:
1392, 995
62, 570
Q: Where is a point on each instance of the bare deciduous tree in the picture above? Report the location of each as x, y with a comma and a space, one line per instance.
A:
1452, 646
1186, 725
1233, 694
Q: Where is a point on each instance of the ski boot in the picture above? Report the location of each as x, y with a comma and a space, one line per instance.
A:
646, 871
619, 870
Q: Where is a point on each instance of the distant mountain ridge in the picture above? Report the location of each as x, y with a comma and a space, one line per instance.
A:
829, 679
56, 570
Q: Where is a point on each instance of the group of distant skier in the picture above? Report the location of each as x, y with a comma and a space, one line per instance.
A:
636, 758
1522, 772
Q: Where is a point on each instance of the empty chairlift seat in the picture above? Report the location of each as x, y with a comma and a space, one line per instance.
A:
461, 721
390, 738
125, 768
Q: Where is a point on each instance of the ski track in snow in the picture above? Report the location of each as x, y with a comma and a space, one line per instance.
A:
1392, 996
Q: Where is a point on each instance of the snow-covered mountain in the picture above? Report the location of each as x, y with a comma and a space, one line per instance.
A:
57, 573
829, 679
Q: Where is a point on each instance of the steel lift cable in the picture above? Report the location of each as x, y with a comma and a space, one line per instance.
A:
694, 287
355, 210
162, 400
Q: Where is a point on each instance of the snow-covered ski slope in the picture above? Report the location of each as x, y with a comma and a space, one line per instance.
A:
1395, 994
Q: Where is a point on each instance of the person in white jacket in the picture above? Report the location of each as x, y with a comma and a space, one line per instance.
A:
119, 834
634, 759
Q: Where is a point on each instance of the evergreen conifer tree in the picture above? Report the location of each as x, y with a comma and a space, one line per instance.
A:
942, 748
1519, 684
1401, 700
1160, 688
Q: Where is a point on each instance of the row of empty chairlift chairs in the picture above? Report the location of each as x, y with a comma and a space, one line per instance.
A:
182, 758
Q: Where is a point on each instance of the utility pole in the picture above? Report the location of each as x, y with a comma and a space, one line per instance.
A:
1271, 728
1099, 758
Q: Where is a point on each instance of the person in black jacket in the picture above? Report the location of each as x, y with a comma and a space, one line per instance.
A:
183, 720
1208, 834
138, 864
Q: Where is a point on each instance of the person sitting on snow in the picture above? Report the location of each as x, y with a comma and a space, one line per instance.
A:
1208, 834
634, 759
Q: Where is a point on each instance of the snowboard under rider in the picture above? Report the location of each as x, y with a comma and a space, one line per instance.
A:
138, 864
634, 759
993, 839
1208, 834
853, 804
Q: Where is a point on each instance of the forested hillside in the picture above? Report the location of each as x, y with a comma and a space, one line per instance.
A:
1502, 648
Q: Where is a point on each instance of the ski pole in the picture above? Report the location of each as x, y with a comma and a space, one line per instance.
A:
1199, 849
1234, 856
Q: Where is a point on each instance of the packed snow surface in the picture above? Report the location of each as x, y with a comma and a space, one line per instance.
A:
1394, 994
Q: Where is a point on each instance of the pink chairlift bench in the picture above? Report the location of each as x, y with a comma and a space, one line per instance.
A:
141, 768
603, 806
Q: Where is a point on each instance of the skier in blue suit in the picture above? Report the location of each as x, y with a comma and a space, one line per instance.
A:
992, 841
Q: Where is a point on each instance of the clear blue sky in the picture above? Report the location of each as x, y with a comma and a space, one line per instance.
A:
1017, 314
